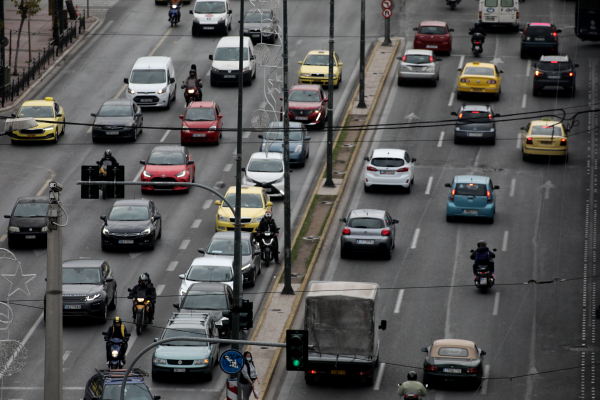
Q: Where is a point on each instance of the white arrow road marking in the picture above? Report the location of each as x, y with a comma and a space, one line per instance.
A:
159, 289
246, 134
411, 117
399, 301
547, 186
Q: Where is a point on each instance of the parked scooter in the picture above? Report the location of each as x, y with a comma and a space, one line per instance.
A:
191, 92
266, 247
452, 3
117, 358
141, 309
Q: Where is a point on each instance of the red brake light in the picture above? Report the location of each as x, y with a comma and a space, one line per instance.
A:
430, 59
491, 82
465, 80
432, 368
385, 232
554, 34
529, 140
570, 73
312, 372
370, 168
471, 370
452, 194
553, 62
480, 15
517, 15
563, 142
404, 58
460, 115
346, 231
470, 184
403, 169
474, 112
489, 196
490, 116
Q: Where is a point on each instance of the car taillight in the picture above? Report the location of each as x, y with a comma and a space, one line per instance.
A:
477, 42
403, 169
370, 168
471, 370
430, 59
491, 82
563, 142
404, 58
452, 194
517, 15
385, 232
489, 196
571, 74
312, 372
346, 231
553, 62
363, 373
465, 80
460, 115
480, 15
490, 116
432, 368
529, 140
554, 34
538, 73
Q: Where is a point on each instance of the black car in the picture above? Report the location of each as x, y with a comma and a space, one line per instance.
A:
117, 119
221, 245
28, 226
453, 360
540, 38
475, 123
131, 224
89, 289
260, 24
554, 73
106, 384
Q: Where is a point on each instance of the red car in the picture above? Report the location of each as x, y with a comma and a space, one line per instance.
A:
202, 123
168, 164
433, 35
308, 104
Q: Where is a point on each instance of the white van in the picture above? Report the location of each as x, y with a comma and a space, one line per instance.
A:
211, 16
225, 62
499, 13
152, 82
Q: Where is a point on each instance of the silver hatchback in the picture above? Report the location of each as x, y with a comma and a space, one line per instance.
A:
368, 231
419, 65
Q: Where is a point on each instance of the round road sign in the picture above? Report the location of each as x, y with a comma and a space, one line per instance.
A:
386, 4
387, 13
231, 361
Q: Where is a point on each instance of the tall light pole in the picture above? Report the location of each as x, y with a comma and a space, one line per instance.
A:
329, 175
361, 95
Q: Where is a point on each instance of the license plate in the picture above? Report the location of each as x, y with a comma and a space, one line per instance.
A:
540, 39
256, 35
363, 241
546, 142
145, 100
72, 307
210, 28
125, 241
229, 76
338, 372
431, 46
453, 370
554, 77
477, 90
475, 134
178, 369
112, 132
386, 172
302, 118
199, 135
470, 212
30, 135
489, 18
483, 281
29, 236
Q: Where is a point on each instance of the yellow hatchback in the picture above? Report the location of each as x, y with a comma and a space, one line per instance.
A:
479, 77
255, 203
315, 68
49, 116
545, 137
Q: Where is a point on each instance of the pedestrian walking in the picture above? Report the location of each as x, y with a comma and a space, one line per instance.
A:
249, 377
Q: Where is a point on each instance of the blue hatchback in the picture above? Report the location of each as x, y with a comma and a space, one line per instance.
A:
299, 141
471, 196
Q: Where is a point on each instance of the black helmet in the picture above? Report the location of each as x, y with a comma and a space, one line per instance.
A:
108, 153
194, 67
192, 72
412, 376
481, 243
117, 320
143, 279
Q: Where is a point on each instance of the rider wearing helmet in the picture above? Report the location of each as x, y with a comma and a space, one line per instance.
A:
109, 157
483, 256
477, 28
144, 283
412, 386
267, 223
177, 3
194, 77
117, 331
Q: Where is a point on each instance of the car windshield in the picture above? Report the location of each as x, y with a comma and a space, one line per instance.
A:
148, 76
255, 17
317, 59
224, 247
187, 332
546, 130
200, 114
166, 158
277, 135
129, 213
366, 223
554, 66
116, 111
470, 189
304, 96
387, 162
82, 276
209, 273
229, 54
210, 7
417, 59
133, 391
474, 117
197, 300
265, 165
478, 71
534, 30
36, 112
29, 210
453, 352
432, 30
249, 200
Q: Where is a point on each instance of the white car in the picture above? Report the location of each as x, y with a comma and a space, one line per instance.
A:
265, 167
419, 65
212, 16
204, 269
389, 167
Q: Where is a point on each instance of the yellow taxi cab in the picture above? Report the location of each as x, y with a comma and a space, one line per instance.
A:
545, 137
315, 68
479, 77
49, 116
255, 203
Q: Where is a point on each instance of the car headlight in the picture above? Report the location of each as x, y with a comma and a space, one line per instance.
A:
130, 91
298, 149
212, 128
181, 174
115, 353
201, 362
163, 90
304, 75
146, 231
130, 124
279, 180
317, 110
222, 218
13, 229
196, 19
247, 68
159, 361
257, 219
185, 128
147, 174
327, 75
44, 229
221, 19
92, 297
246, 267
182, 292
105, 231
246, 31
213, 69
49, 128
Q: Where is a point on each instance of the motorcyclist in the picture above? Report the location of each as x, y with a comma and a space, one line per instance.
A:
477, 28
412, 386
267, 223
178, 4
194, 77
116, 331
144, 283
108, 157
483, 256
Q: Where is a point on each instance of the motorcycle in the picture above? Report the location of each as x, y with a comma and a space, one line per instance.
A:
191, 92
117, 359
104, 167
267, 244
452, 3
174, 14
141, 309
484, 279
477, 44
411, 396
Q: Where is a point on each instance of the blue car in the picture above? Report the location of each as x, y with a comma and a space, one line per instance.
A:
471, 196
299, 141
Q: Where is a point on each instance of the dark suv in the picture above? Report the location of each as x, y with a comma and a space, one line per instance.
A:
475, 123
539, 37
106, 384
554, 73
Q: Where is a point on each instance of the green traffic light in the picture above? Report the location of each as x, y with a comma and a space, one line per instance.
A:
296, 363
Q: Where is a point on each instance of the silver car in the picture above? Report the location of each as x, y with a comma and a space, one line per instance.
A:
368, 231
421, 65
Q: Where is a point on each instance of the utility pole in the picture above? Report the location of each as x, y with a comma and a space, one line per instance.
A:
361, 93
55, 25
3, 69
53, 372
329, 175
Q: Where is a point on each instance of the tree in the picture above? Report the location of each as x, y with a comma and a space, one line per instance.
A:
26, 9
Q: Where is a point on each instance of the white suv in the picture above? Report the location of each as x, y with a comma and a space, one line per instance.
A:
389, 167
211, 16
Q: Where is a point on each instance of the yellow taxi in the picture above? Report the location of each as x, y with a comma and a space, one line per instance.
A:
479, 77
49, 116
315, 68
545, 137
255, 203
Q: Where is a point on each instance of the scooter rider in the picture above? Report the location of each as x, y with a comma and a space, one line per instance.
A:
144, 283
483, 256
108, 157
412, 385
477, 28
194, 77
117, 331
267, 223
178, 4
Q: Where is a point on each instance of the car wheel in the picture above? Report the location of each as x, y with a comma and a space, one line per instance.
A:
64, 127
573, 91
343, 254
310, 380
459, 95
302, 164
449, 218
104, 248
524, 156
456, 140
209, 376
408, 189
254, 74
388, 254
491, 220
412, 181
94, 140
55, 138
399, 81
434, 83
229, 26
153, 243
104, 314
426, 380
113, 303
497, 96
493, 141
259, 268
159, 233
369, 381
218, 140
155, 375
536, 92
253, 282
367, 189
168, 106
523, 54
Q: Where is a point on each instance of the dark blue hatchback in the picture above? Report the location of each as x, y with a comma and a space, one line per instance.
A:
106, 384
299, 141
539, 38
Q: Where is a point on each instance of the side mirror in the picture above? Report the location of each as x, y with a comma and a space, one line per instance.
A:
143, 162
395, 221
307, 137
325, 100
176, 305
300, 62
181, 117
253, 57
494, 250
496, 187
256, 252
383, 325
103, 217
269, 203
501, 71
260, 136
454, 113
7, 216
13, 115
415, 29
218, 202
201, 250
424, 350
497, 115
559, 31
483, 353
220, 116
181, 276
239, 22
451, 29
156, 339
183, 86
230, 12
522, 128
343, 220
447, 185
281, 98
125, 80
109, 279
413, 160
190, 162
93, 114
210, 56
171, 80
157, 217
129, 289
367, 159
341, 64
244, 169
459, 69
59, 115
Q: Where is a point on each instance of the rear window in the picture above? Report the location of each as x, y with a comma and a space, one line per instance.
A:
537, 30
470, 189
417, 59
387, 162
543, 130
367, 223
478, 71
453, 352
507, 3
474, 117
432, 30
491, 3
554, 66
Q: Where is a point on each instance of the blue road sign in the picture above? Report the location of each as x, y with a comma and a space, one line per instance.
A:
231, 361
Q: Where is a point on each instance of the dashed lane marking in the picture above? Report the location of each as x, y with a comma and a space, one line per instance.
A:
292, 53
441, 141
66, 355
524, 103
415, 238
139, 174
227, 167
462, 60
519, 140
429, 183
399, 301
379, 376
207, 204
451, 99
246, 134
172, 266
299, 42
159, 289
2, 238
184, 244
496, 303
505, 241
160, 42
165, 135
513, 184
486, 372
527, 68
196, 223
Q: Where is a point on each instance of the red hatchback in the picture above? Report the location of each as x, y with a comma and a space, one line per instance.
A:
308, 104
202, 123
433, 35
168, 164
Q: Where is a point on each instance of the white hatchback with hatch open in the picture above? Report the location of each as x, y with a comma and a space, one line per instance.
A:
389, 167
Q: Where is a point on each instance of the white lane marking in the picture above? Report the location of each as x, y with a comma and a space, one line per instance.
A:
89, 130
399, 301
172, 266
527, 68
505, 241
441, 141
429, 183
196, 223
120, 92
519, 140
486, 371
159, 289
219, 185
513, 184
2, 238
299, 42
524, 103
476, 163
184, 244
207, 204
165, 135
379, 376
160, 42
66, 355
496, 303
415, 238
235, 151
208, 73
227, 167
451, 99
131, 341
139, 174
462, 60
292, 53
246, 134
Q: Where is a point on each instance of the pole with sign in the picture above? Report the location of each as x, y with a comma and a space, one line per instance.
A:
388, 6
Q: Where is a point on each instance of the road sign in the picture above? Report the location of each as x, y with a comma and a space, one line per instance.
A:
231, 361
387, 13
386, 4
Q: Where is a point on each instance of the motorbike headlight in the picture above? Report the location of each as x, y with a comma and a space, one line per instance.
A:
298, 149
201, 362
212, 128
257, 219
105, 231
163, 90
140, 299
44, 229
92, 297
181, 174
146, 231
222, 218
246, 267
147, 174
159, 361
13, 229
173, 6
130, 91
115, 353
190, 91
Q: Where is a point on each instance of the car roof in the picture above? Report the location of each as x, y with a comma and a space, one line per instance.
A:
231, 235
367, 213
121, 101
475, 107
389, 152
555, 58
213, 261
202, 104
245, 189
299, 86
232, 41
151, 62
479, 64
318, 52
419, 51
48, 101
82, 263
540, 24
208, 287
132, 202
433, 23
32, 199
169, 149
471, 179
545, 122
465, 344
265, 155
279, 124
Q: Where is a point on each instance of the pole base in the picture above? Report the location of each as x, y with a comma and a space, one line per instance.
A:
329, 183
287, 290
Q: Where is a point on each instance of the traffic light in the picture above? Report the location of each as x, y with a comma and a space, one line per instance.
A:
246, 314
296, 350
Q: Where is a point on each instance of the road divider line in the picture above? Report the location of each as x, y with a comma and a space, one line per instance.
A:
208, 73
379, 376
527, 68
524, 103
496, 303
415, 238
513, 184
184, 244
486, 372
160, 42
172, 266
2, 238
441, 141
159, 289
89, 130
235, 151
399, 301
505, 241
462, 60
451, 99
131, 341
292, 53
246, 134
196, 223
120, 92
165, 135
207, 204
429, 183
66, 355
137, 176
518, 140
299, 42
227, 167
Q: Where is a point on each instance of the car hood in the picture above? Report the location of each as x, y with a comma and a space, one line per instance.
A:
119, 121
167, 170
245, 212
80, 290
32, 222
228, 65
304, 105
257, 25
147, 87
266, 177
199, 125
182, 352
317, 69
127, 226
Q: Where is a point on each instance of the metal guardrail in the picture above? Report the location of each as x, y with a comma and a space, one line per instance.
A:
17, 85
